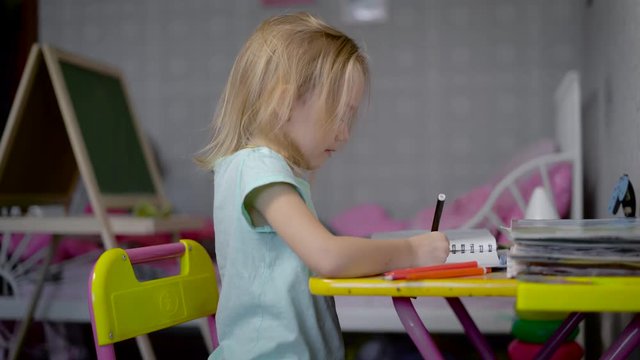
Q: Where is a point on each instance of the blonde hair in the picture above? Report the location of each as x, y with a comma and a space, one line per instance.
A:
287, 58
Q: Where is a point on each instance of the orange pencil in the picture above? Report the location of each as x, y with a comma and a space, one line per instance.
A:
448, 273
401, 273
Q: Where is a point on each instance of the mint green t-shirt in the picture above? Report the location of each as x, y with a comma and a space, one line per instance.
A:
265, 310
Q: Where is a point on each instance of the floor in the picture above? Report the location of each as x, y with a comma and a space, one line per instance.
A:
186, 342
400, 347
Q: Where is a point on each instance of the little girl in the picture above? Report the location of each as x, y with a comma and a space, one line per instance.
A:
289, 104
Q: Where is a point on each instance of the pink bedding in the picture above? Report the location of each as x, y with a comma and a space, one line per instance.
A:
364, 220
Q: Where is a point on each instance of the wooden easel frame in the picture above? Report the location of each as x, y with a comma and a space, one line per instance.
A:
100, 201
58, 99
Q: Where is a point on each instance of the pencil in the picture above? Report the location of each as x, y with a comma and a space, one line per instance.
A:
447, 273
438, 212
400, 274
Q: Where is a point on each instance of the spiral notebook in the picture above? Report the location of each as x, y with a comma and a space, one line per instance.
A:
465, 245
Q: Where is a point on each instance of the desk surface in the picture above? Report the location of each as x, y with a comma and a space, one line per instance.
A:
493, 284
594, 294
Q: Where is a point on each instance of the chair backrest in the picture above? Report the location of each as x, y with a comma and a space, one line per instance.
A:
122, 307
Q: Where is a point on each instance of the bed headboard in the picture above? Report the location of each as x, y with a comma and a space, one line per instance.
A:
557, 170
569, 141
569, 133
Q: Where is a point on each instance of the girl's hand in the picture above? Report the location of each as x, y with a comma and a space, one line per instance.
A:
430, 248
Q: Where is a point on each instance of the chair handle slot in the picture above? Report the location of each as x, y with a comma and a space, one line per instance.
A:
155, 252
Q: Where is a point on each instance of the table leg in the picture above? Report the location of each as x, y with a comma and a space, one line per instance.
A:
471, 329
554, 342
626, 342
416, 329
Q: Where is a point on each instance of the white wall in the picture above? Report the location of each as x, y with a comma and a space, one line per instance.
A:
611, 99
458, 86
611, 103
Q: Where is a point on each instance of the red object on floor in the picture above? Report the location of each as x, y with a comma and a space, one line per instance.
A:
520, 350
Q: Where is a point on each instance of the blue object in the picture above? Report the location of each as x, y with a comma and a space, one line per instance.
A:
624, 195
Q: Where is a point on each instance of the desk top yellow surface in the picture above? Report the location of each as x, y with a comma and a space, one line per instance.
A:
595, 294
585, 294
493, 284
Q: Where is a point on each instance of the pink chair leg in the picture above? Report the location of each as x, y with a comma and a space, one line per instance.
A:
213, 330
105, 352
416, 329
471, 329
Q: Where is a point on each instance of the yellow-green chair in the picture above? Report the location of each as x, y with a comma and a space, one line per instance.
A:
122, 307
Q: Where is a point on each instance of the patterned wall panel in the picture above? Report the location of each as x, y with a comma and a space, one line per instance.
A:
611, 99
458, 86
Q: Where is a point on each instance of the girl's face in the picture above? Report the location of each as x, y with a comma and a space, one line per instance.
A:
317, 142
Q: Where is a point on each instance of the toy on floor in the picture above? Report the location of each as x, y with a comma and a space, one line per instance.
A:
532, 329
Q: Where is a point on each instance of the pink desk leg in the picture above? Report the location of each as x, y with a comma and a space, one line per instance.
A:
416, 329
559, 335
471, 329
626, 342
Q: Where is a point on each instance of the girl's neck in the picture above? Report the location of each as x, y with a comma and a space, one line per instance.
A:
257, 142
300, 172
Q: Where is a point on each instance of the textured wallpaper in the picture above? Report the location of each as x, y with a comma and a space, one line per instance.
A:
458, 87
611, 100
611, 118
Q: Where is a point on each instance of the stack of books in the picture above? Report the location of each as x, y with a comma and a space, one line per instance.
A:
589, 247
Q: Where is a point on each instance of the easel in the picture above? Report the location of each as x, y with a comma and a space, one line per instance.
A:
71, 118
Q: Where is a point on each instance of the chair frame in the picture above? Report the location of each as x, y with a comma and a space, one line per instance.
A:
122, 307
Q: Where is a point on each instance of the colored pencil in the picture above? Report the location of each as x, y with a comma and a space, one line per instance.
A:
402, 273
448, 273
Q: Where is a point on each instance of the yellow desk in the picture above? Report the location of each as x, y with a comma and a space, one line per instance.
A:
595, 294
579, 295
575, 295
492, 284
401, 291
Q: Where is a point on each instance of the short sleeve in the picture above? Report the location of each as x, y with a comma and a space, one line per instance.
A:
259, 168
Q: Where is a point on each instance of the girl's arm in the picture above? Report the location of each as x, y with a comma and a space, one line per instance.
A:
328, 255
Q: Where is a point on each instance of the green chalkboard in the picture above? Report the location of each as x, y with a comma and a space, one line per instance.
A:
107, 127
37, 165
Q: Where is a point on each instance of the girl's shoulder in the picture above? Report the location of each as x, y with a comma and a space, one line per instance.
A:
259, 155
256, 153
